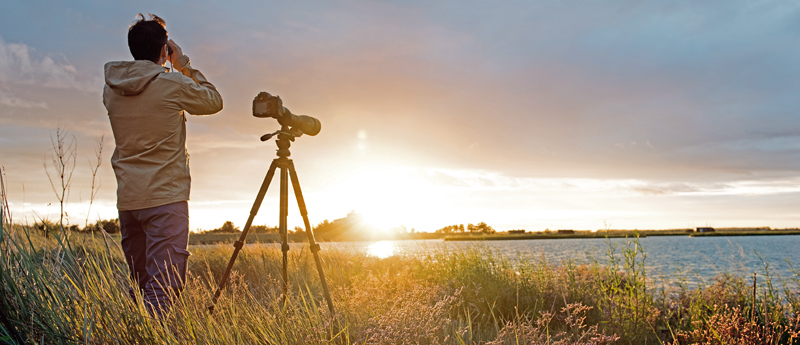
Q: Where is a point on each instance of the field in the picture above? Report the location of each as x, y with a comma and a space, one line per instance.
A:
229, 238
59, 290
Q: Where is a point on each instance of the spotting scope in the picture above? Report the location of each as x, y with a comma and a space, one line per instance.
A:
266, 105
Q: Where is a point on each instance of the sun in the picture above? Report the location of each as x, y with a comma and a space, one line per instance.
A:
387, 196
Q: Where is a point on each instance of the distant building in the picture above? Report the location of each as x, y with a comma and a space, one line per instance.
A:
566, 232
704, 229
351, 227
516, 232
352, 219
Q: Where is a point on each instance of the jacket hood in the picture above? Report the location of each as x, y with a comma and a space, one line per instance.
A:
129, 78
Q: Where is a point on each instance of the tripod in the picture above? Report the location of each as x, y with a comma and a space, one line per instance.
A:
285, 135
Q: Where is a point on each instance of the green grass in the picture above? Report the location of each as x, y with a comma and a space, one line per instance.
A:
74, 291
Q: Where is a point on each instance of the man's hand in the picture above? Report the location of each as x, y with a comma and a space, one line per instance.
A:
176, 51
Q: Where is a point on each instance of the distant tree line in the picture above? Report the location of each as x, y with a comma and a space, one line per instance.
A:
229, 228
110, 226
451, 229
480, 228
328, 229
343, 230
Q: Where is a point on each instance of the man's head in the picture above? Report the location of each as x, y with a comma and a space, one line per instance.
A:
147, 38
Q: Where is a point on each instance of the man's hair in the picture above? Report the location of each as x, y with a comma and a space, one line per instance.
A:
146, 38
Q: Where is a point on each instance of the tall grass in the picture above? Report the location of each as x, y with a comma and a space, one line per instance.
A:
75, 291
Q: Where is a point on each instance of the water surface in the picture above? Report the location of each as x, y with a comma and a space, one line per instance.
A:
674, 258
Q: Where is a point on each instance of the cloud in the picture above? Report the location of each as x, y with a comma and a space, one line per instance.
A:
743, 187
486, 181
22, 65
10, 100
671, 188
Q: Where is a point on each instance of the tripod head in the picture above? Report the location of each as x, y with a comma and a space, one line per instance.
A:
285, 136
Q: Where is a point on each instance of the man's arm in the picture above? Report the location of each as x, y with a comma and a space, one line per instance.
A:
200, 98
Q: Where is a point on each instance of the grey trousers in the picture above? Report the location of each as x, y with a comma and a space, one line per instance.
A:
154, 241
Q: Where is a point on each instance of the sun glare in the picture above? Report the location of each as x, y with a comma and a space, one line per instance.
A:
381, 249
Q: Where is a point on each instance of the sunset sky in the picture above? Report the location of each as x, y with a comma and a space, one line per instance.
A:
523, 114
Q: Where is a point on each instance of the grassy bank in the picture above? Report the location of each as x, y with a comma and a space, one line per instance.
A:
747, 233
614, 234
59, 290
538, 236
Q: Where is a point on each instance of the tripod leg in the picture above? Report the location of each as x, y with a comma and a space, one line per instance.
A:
284, 212
311, 242
238, 244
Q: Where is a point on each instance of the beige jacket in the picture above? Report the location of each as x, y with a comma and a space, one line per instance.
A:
146, 106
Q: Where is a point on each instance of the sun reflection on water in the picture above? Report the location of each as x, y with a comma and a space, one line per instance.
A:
381, 249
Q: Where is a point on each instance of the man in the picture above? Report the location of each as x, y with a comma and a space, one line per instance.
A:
146, 106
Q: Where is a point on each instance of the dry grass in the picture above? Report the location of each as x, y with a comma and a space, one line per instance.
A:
76, 292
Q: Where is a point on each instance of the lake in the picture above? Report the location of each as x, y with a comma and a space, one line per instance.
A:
675, 258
